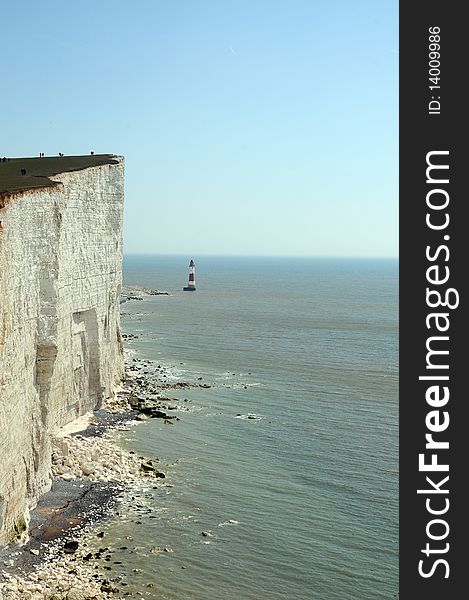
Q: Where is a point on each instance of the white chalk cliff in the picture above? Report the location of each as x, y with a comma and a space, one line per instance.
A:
60, 344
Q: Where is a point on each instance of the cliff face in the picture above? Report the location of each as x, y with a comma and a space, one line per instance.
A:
60, 347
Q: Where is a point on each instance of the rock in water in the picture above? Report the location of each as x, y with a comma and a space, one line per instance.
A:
150, 466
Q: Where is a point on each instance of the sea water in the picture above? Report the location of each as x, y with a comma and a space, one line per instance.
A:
289, 462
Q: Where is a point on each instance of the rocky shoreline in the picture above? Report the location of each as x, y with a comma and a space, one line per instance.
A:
137, 292
93, 478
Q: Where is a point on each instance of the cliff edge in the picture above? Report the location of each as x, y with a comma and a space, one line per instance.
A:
60, 343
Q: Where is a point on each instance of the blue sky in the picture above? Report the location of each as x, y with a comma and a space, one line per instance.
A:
258, 127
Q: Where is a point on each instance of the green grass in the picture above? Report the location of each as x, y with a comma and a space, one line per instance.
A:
38, 170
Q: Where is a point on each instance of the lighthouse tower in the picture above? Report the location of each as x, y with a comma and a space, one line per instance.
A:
191, 285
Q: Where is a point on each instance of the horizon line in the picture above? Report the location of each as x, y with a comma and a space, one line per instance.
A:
341, 256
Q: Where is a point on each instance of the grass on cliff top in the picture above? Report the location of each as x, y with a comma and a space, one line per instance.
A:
39, 169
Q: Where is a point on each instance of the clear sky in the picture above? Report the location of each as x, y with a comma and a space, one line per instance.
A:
248, 126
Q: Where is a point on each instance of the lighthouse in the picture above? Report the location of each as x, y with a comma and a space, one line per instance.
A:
191, 285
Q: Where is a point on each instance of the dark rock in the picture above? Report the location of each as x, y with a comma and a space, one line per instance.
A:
150, 466
71, 546
134, 402
154, 413
107, 587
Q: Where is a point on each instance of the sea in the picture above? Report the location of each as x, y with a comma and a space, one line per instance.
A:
282, 476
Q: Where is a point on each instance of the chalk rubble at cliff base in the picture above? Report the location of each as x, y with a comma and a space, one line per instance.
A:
65, 569
61, 574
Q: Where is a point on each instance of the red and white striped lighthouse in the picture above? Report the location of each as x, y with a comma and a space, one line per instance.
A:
191, 286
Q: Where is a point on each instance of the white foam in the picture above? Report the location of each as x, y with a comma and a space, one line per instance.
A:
229, 522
